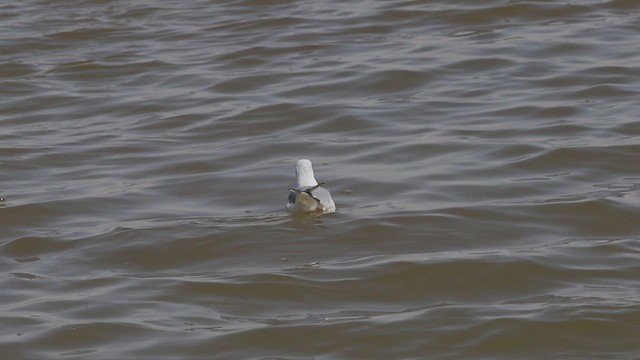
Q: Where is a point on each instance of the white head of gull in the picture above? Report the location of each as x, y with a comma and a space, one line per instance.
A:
309, 196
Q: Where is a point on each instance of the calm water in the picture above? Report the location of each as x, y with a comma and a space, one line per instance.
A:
484, 157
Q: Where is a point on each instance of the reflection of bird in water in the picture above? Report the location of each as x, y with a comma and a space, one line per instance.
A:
309, 196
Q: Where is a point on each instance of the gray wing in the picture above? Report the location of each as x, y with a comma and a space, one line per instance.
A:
319, 193
292, 197
324, 197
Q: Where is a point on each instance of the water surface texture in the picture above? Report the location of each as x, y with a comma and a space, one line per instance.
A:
484, 157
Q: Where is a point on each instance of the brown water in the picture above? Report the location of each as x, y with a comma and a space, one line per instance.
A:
484, 157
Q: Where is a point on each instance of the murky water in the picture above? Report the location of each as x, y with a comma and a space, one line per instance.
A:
484, 158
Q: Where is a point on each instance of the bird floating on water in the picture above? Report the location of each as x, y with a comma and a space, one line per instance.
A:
309, 195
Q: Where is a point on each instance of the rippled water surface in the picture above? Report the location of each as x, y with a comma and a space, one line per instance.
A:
484, 157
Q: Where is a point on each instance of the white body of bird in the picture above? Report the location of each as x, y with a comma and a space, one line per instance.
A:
309, 196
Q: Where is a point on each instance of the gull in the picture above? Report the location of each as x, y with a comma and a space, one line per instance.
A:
309, 195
